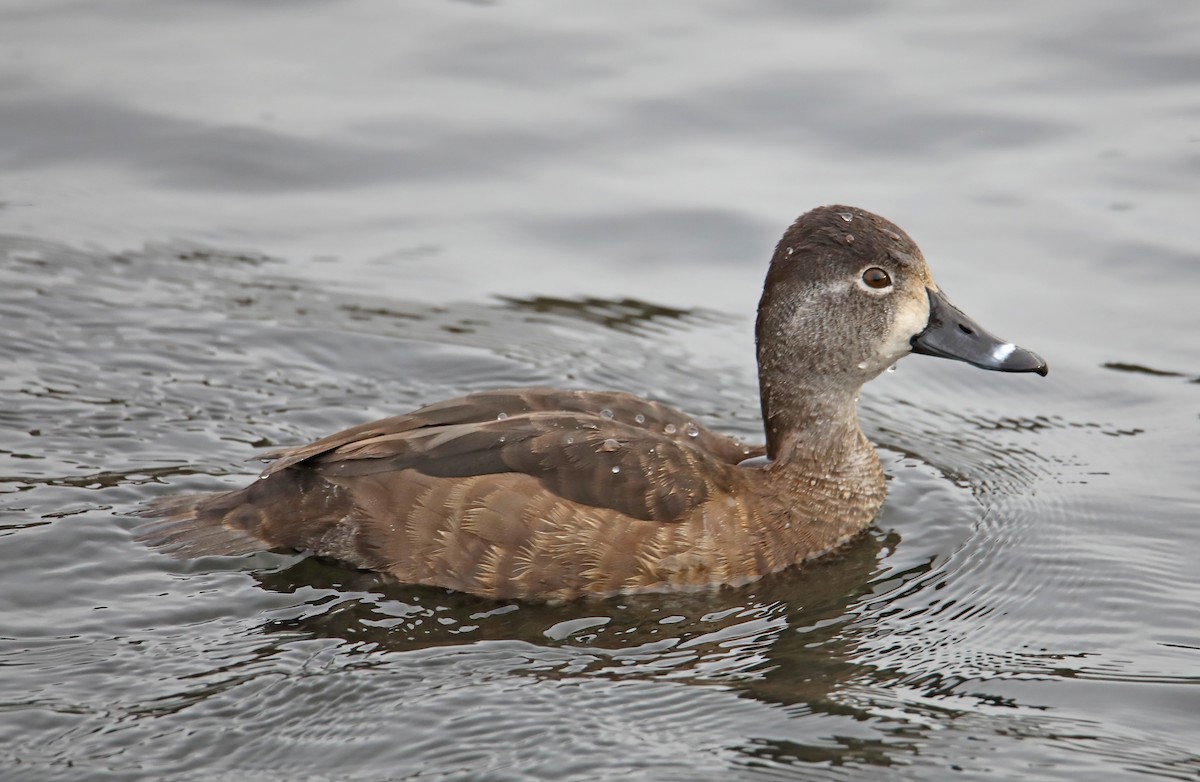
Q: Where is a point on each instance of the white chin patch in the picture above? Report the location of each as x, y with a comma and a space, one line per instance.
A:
1001, 352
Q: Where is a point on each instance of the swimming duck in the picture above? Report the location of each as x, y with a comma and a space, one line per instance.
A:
549, 494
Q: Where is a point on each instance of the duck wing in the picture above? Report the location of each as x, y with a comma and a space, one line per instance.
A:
578, 457
482, 407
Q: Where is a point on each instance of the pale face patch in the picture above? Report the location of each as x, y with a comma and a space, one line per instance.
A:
911, 318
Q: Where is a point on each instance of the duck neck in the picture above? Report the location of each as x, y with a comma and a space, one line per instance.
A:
809, 426
825, 474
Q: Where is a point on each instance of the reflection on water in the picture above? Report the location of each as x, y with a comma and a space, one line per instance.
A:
734, 635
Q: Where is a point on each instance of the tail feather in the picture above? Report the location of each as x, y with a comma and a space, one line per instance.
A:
195, 526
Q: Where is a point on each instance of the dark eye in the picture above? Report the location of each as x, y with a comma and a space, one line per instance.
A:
876, 278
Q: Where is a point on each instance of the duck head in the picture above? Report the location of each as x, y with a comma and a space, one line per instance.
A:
847, 295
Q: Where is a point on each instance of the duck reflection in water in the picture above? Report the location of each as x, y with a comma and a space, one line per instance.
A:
791, 640
545, 494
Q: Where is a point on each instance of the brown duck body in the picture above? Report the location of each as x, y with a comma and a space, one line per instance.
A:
550, 494
536, 493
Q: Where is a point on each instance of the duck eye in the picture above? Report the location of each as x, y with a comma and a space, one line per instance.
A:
876, 278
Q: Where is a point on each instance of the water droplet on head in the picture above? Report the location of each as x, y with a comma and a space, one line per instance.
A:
569, 439
610, 445
501, 416
639, 418
502, 439
606, 413
892, 368
692, 429
847, 216
670, 429
616, 469
849, 238
862, 365
788, 252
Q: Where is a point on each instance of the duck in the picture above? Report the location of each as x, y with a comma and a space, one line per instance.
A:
545, 494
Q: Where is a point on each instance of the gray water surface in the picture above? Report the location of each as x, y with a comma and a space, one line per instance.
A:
229, 227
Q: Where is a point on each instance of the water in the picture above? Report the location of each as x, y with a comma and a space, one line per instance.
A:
227, 227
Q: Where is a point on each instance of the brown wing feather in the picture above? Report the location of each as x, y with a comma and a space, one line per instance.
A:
517, 492
491, 405
586, 459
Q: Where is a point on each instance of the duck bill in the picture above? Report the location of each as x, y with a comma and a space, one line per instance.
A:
951, 334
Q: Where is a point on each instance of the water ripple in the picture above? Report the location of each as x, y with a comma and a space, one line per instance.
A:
1003, 561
